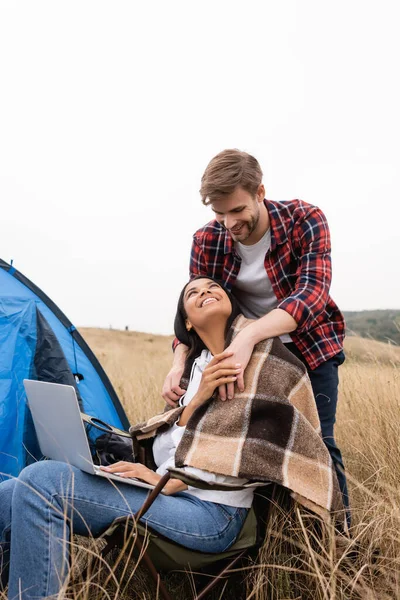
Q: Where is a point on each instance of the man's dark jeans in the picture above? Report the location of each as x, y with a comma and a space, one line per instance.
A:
325, 381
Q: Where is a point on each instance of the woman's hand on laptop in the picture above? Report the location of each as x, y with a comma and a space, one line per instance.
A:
126, 469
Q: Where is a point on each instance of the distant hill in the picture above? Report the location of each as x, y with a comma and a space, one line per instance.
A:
382, 325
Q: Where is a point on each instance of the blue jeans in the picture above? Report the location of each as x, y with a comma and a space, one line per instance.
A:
325, 381
51, 500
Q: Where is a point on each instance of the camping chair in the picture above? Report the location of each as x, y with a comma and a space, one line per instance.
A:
161, 554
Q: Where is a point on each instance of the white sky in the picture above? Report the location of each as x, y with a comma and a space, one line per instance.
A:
110, 112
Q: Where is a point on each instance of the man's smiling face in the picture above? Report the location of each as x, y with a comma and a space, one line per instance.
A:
239, 213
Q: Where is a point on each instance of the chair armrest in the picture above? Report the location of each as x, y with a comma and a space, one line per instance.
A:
152, 496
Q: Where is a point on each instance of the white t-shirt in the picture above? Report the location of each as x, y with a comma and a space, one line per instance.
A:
165, 445
253, 288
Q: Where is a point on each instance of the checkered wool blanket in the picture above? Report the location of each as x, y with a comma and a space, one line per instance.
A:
270, 432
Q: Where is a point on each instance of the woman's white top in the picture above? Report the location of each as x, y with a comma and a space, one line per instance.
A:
165, 444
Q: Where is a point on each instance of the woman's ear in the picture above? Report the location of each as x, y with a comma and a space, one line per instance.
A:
188, 325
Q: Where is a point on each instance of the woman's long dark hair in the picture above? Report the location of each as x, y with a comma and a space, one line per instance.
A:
190, 338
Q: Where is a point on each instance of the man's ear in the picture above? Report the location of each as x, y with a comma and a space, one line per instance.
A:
188, 325
261, 193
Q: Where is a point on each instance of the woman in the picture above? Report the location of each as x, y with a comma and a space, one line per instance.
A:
50, 500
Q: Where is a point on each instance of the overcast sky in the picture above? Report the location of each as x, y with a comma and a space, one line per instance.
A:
110, 112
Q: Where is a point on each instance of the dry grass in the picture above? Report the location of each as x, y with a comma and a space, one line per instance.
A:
368, 431
293, 563
296, 562
136, 364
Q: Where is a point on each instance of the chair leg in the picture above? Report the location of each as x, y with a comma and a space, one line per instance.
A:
208, 587
153, 571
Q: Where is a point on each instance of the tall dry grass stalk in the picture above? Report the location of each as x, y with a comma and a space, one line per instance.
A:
293, 564
300, 559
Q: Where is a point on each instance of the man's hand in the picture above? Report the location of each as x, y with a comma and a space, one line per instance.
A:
171, 391
275, 323
241, 350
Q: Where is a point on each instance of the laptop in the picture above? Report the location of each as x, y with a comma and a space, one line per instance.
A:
60, 429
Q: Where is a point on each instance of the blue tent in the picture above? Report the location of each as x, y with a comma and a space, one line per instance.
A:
37, 341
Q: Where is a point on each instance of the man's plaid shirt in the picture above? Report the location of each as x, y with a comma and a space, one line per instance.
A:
298, 265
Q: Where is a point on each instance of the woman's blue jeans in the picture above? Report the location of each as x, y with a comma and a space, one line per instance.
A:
51, 500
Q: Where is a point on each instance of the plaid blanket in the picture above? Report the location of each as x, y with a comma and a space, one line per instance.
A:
270, 432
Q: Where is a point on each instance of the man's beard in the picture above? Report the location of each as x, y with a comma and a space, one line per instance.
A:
250, 225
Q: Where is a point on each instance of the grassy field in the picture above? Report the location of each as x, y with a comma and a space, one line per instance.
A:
294, 564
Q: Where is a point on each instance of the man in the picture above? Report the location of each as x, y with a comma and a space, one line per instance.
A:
275, 256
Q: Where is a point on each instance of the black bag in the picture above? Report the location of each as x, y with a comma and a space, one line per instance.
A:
110, 447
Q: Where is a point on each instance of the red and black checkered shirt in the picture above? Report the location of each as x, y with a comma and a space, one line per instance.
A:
298, 265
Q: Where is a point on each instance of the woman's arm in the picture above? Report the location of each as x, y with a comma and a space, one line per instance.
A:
139, 471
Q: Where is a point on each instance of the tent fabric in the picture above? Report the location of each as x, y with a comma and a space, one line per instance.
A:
37, 341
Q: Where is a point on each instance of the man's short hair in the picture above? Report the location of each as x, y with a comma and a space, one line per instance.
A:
227, 171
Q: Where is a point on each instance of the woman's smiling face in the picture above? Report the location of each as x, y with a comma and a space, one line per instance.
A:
203, 299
